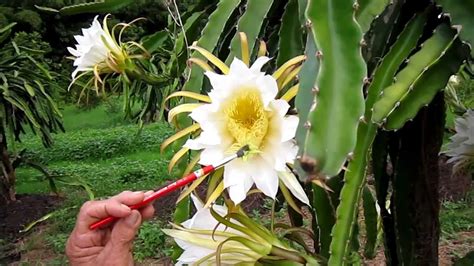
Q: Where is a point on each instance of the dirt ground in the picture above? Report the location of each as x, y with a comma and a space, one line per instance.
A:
14, 216
449, 250
26, 209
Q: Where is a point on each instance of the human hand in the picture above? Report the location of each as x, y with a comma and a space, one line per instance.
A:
111, 245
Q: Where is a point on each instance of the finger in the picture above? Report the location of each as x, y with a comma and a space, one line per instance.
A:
147, 212
123, 233
116, 206
149, 192
129, 198
93, 211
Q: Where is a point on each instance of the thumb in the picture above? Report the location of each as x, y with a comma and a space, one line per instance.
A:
124, 232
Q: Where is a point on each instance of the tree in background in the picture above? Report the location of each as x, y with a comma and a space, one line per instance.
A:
26, 105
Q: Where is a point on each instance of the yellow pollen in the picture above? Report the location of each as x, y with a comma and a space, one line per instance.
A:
247, 120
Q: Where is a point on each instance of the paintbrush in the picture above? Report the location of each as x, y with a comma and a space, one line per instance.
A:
174, 186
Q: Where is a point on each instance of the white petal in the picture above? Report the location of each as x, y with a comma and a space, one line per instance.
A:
290, 150
259, 63
194, 144
265, 177
211, 124
280, 154
73, 51
207, 138
200, 114
74, 73
280, 107
211, 155
218, 81
192, 254
234, 172
239, 69
268, 88
96, 23
237, 193
290, 181
290, 125
202, 219
90, 49
197, 202
238, 180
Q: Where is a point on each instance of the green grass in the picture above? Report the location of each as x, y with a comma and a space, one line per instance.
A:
110, 160
102, 116
457, 216
98, 144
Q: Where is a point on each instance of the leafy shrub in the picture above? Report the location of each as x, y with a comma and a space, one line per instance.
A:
33, 41
150, 242
115, 175
8, 12
3, 20
98, 144
113, 105
57, 241
30, 19
457, 216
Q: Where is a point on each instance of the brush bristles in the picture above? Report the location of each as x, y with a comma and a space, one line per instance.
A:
241, 152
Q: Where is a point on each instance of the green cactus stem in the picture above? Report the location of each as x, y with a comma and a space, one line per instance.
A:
250, 23
354, 178
461, 13
209, 39
367, 10
430, 53
291, 41
339, 100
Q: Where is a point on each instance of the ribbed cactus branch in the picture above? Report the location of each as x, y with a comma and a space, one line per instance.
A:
250, 23
339, 98
367, 10
105, 6
302, 4
426, 87
305, 98
399, 51
378, 38
291, 32
208, 40
430, 53
354, 178
461, 13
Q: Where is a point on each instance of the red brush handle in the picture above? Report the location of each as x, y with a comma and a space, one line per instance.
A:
158, 194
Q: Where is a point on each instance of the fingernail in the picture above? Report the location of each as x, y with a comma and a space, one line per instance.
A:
132, 218
125, 207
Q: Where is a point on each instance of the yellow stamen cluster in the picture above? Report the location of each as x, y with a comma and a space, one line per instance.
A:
247, 120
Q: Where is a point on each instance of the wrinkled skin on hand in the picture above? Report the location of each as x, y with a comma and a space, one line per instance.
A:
111, 245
